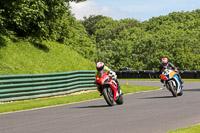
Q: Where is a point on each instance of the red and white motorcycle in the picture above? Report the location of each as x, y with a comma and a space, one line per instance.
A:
108, 88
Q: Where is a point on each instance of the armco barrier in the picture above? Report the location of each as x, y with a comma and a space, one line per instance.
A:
198, 75
188, 74
157, 74
134, 74
16, 87
185, 74
127, 74
119, 74
147, 74
130, 74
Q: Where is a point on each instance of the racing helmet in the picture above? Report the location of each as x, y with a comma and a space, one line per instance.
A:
100, 66
164, 62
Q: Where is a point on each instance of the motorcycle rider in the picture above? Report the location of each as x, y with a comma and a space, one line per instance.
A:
100, 67
165, 64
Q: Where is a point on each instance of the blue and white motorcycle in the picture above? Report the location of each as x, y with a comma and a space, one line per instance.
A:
172, 82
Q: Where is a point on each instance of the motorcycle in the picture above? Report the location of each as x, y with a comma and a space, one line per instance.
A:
172, 82
108, 88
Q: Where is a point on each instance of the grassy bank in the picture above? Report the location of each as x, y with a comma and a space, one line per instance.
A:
47, 57
193, 129
44, 102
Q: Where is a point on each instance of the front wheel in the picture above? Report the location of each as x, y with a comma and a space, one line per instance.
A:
181, 92
120, 100
108, 96
172, 89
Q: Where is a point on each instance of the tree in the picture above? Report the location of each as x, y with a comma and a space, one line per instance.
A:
36, 18
90, 23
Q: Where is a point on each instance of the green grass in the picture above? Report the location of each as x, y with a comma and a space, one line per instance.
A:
185, 80
191, 80
48, 57
44, 102
193, 129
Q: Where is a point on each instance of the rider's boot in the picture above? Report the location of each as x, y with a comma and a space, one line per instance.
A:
118, 88
162, 81
99, 91
181, 81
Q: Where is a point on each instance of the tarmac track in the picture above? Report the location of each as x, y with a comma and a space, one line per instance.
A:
146, 112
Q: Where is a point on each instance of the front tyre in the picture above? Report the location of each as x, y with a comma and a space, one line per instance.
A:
181, 92
172, 89
108, 96
120, 100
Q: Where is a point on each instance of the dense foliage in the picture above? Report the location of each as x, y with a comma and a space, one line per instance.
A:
118, 43
141, 45
40, 20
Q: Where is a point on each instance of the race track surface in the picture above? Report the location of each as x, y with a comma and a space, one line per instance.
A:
146, 112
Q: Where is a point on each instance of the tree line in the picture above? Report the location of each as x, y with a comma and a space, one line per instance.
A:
118, 43
141, 45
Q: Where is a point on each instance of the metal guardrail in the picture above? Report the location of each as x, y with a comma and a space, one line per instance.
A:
185, 74
17, 87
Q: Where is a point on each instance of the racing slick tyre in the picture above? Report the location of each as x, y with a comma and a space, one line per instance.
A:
181, 92
108, 96
120, 100
172, 89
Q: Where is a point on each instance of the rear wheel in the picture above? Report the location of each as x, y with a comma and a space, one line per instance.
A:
108, 96
172, 89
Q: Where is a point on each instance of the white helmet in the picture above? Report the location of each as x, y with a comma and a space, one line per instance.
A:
100, 66
164, 62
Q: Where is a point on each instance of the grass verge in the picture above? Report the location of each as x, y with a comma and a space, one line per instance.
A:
193, 129
44, 102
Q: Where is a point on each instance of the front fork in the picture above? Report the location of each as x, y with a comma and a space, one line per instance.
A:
167, 85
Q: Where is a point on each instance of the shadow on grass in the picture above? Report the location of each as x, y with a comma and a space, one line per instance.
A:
2, 42
40, 46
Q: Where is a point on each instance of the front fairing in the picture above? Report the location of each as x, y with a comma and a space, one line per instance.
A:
168, 74
102, 78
